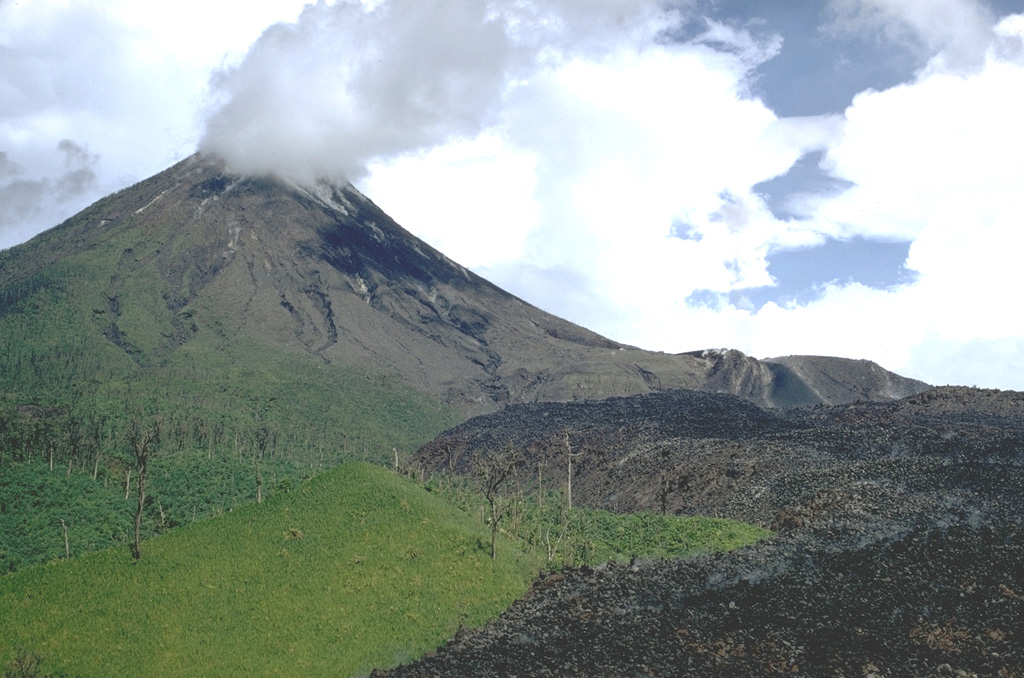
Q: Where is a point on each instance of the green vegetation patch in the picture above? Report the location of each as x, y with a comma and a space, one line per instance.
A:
38, 507
543, 527
355, 569
613, 536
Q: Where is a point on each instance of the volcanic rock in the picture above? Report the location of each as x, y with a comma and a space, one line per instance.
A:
900, 538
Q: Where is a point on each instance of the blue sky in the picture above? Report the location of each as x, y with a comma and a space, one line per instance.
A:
836, 178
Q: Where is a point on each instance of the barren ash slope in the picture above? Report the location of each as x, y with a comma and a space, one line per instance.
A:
322, 271
899, 549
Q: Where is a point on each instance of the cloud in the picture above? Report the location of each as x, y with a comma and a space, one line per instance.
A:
988, 363
471, 199
634, 143
347, 83
356, 82
67, 72
617, 145
121, 77
957, 33
25, 203
801, 276
936, 161
75, 71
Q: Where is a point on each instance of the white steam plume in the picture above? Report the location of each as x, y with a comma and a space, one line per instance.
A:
356, 81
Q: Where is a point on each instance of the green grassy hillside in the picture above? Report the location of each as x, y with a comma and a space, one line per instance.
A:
356, 569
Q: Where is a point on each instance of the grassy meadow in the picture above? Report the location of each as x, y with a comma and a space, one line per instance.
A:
357, 568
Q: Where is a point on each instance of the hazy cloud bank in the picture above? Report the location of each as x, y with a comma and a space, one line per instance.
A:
28, 204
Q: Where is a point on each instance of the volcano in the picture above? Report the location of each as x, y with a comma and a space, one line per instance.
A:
198, 253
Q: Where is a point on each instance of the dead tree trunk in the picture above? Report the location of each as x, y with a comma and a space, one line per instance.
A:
136, 545
571, 456
259, 481
667, 486
67, 546
493, 501
540, 489
496, 470
142, 443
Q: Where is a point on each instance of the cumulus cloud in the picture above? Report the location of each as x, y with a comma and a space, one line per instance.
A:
633, 146
66, 72
346, 83
75, 71
354, 82
123, 78
625, 142
936, 160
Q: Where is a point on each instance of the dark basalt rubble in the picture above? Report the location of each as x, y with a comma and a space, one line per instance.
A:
921, 601
720, 455
900, 545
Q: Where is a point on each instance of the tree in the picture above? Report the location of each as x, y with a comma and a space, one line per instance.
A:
28, 664
570, 456
496, 470
143, 440
24, 664
668, 485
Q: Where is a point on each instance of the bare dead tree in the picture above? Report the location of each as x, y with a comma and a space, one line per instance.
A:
67, 545
263, 438
667, 487
570, 456
143, 442
259, 480
540, 487
496, 470
24, 664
